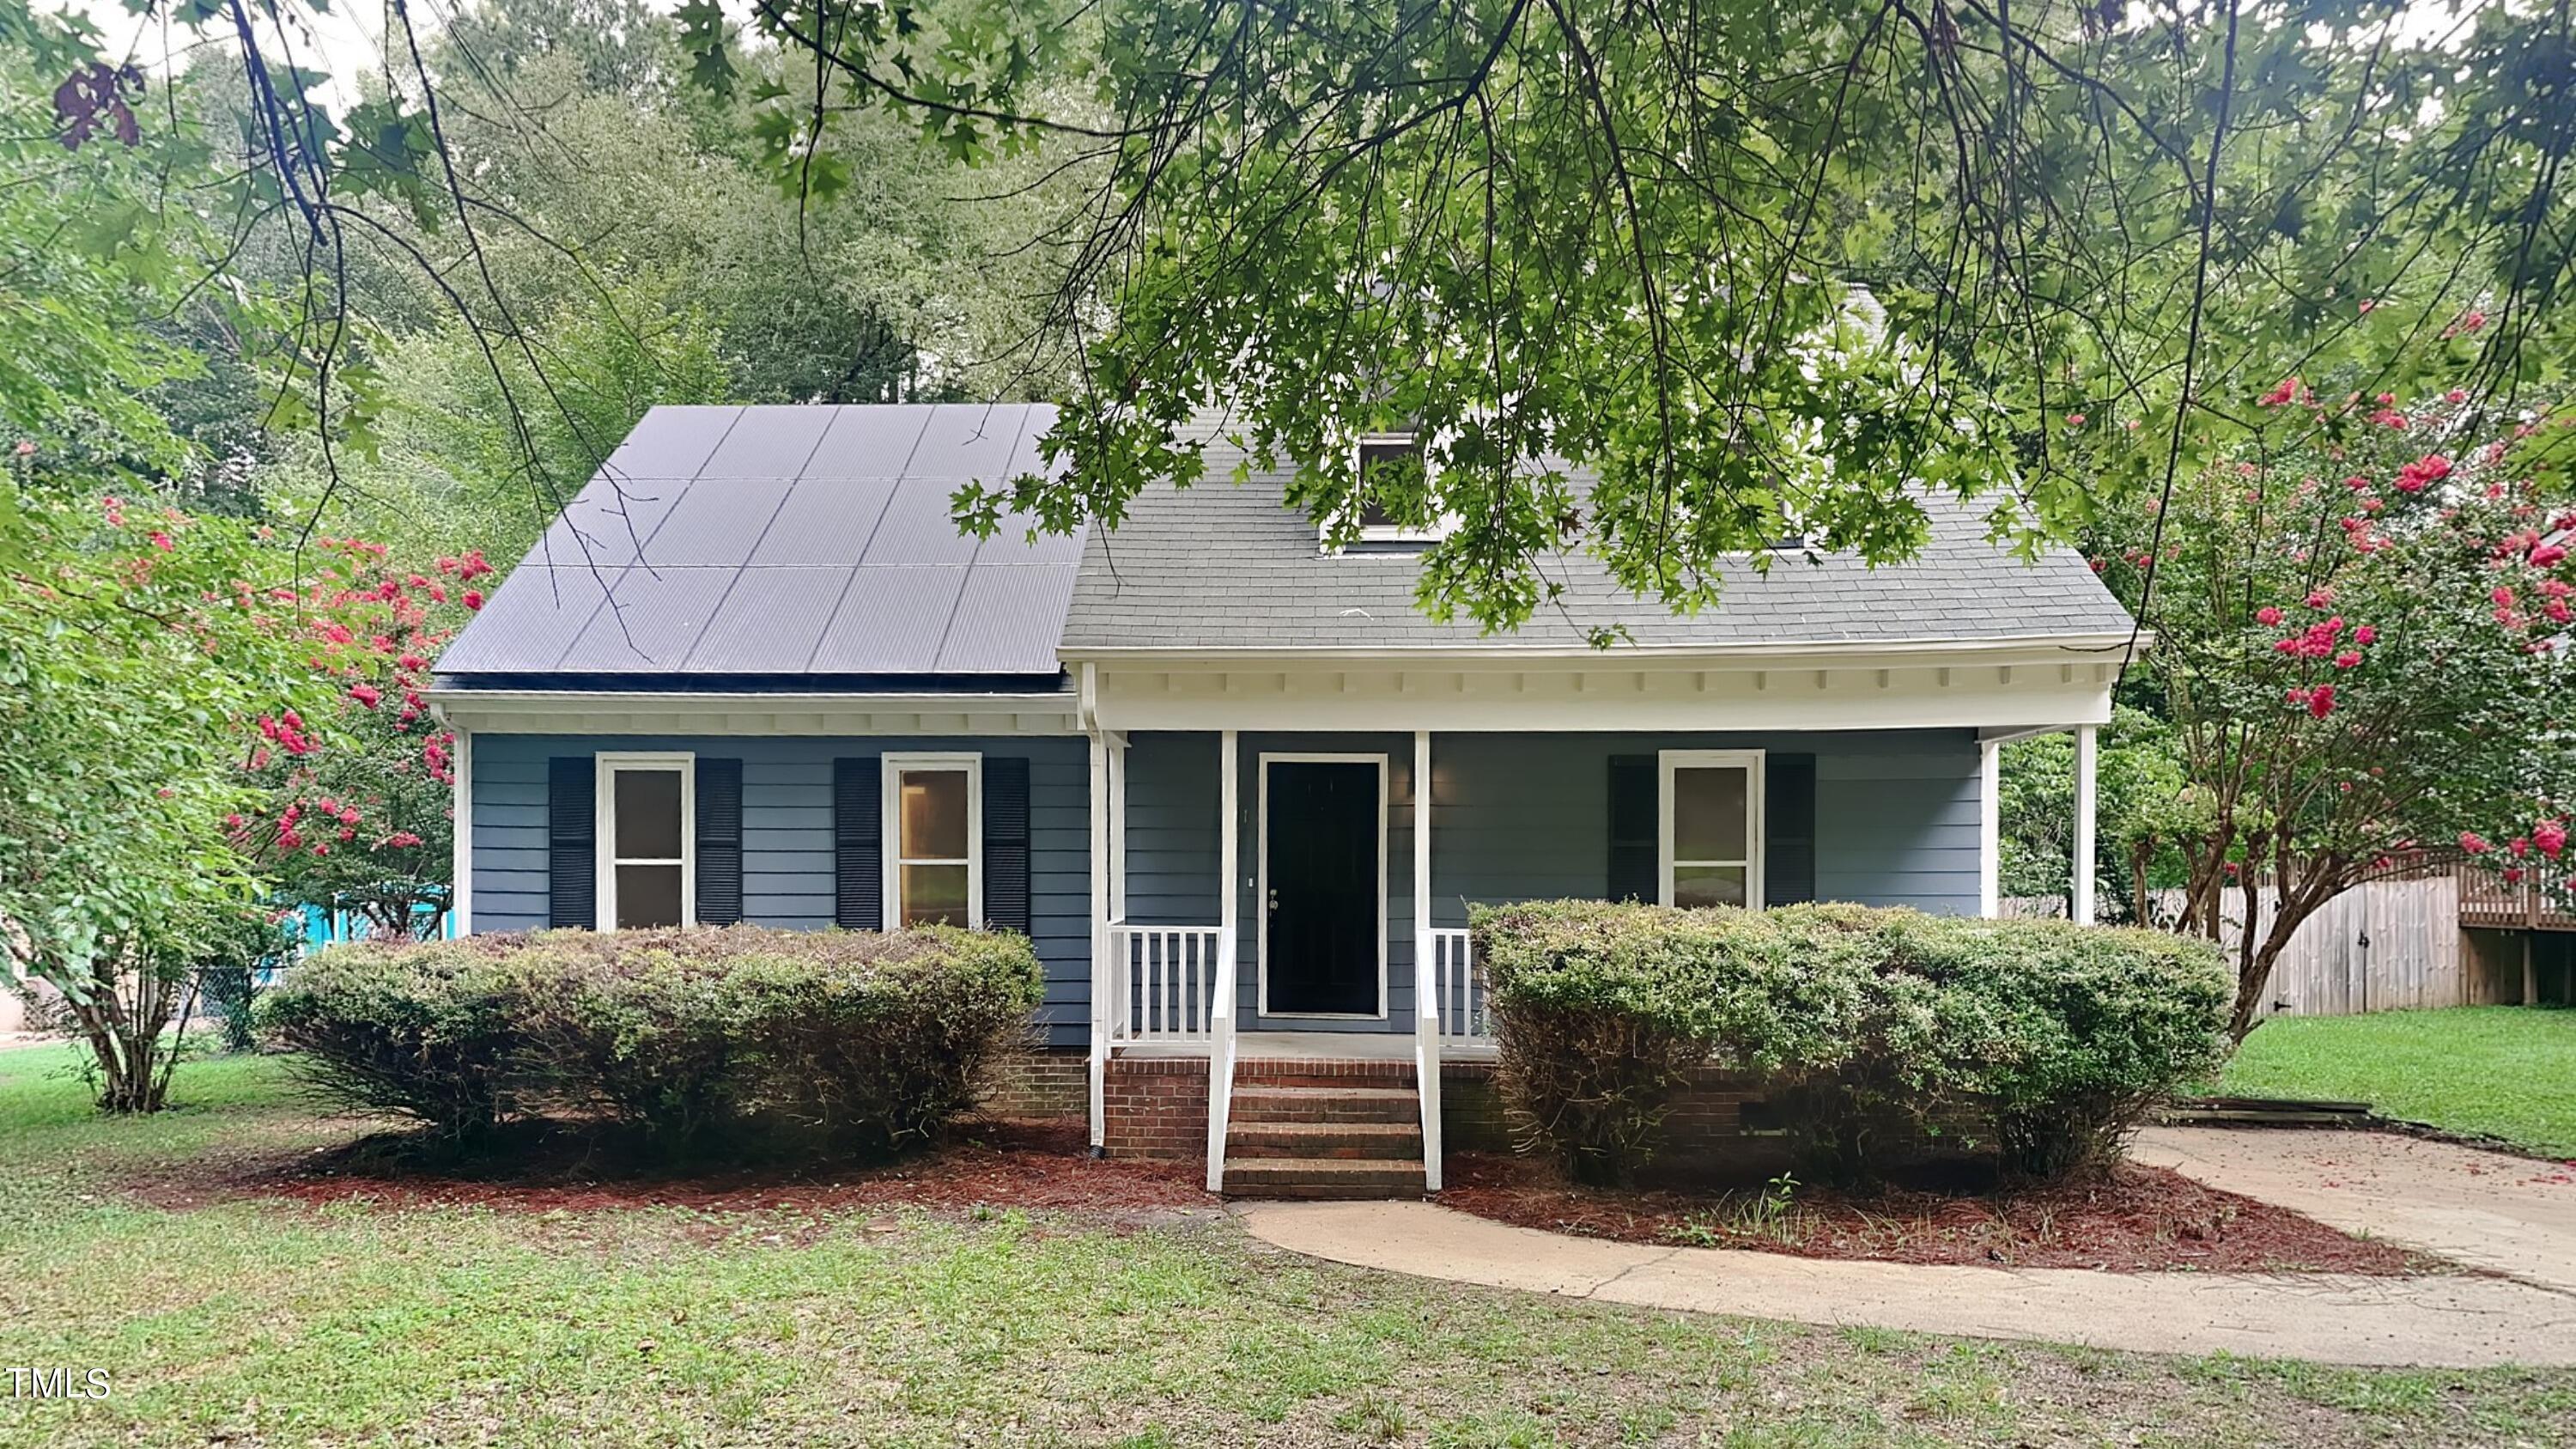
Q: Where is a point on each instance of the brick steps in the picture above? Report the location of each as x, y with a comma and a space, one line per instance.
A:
1324, 1130
1325, 1140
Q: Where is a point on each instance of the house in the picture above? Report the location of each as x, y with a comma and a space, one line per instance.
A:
754, 673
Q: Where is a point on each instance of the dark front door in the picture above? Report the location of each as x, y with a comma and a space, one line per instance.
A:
1321, 915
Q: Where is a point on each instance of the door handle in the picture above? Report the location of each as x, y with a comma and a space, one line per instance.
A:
1274, 899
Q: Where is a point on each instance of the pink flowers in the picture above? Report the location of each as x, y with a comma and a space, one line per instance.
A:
2281, 395
473, 599
161, 541
2348, 659
2551, 837
2547, 555
366, 694
112, 508
2073, 420
2472, 843
2321, 598
2268, 614
2321, 700
2366, 634
2423, 473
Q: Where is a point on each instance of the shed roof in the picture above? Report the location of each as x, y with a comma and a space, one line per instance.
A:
786, 543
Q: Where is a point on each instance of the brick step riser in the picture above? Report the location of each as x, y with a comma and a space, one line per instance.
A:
1248, 1078
1322, 1192
1314, 1152
1355, 1112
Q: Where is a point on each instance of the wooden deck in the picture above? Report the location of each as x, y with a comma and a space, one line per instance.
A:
2544, 900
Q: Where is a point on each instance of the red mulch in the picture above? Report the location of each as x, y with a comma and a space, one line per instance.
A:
1001, 1164
2140, 1219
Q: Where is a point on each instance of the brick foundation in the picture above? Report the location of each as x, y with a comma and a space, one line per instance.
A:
1038, 1082
1156, 1107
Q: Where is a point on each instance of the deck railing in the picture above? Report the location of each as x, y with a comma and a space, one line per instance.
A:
2543, 900
1163, 983
1457, 994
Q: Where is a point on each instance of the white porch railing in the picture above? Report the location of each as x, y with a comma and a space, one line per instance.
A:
1458, 997
1163, 983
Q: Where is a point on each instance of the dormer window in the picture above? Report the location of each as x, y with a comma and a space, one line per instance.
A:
1377, 455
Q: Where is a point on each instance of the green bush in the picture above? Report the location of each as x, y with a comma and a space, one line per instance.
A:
687, 1039
2045, 1038
417, 1031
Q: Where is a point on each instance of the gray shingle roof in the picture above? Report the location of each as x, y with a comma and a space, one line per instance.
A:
783, 541
1223, 567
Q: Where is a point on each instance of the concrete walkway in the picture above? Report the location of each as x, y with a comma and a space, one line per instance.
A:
2505, 1214
2450, 1321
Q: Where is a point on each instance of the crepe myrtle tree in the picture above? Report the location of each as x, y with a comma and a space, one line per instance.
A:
2362, 648
140, 647
360, 817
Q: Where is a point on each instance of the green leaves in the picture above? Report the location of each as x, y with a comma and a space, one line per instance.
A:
390, 151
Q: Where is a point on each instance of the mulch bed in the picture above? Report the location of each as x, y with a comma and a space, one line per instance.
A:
1000, 1164
2139, 1219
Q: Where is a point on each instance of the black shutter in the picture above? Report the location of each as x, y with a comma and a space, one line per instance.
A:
858, 844
1006, 844
1634, 811
572, 849
1789, 829
719, 842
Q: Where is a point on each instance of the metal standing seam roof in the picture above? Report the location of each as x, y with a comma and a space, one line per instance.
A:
785, 541
1229, 567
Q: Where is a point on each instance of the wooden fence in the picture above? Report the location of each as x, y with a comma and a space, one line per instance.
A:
2384, 945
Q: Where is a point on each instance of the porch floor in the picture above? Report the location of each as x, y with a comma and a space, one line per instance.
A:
1315, 1046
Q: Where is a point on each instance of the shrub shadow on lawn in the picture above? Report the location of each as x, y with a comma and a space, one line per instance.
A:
546, 1166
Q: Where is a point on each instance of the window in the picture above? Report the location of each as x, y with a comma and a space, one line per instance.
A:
1378, 455
934, 870
1711, 831
647, 828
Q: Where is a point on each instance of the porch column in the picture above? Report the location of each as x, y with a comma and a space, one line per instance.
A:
1100, 974
2082, 864
1990, 829
1229, 847
1426, 995
1118, 827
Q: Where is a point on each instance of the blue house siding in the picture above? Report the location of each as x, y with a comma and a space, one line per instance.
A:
1526, 816
1514, 817
787, 836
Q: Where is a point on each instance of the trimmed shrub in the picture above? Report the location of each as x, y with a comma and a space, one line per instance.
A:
417, 1031
2046, 1038
683, 1038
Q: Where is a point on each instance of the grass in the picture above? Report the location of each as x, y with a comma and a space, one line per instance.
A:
250, 1320
2505, 1071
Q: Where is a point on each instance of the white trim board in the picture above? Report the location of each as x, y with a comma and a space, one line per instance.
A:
665, 712
604, 769
1261, 880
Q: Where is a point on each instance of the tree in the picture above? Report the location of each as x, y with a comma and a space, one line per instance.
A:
359, 818
2361, 648
2143, 807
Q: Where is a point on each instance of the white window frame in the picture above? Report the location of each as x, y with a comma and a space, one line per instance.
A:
1261, 882
1749, 761
890, 794
604, 822
1391, 532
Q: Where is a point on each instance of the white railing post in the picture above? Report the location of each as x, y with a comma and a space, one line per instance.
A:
1426, 968
1229, 912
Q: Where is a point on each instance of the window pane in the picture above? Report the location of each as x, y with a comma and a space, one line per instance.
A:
648, 814
1708, 813
934, 815
1394, 464
648, 895
1708, 885
934, 895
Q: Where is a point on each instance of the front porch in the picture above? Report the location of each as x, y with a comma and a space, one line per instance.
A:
1281, 882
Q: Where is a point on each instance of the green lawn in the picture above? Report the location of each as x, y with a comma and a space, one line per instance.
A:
251, 1321
2507, 1071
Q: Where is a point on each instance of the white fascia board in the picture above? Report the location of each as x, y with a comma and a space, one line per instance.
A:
655, 712
1839, 653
